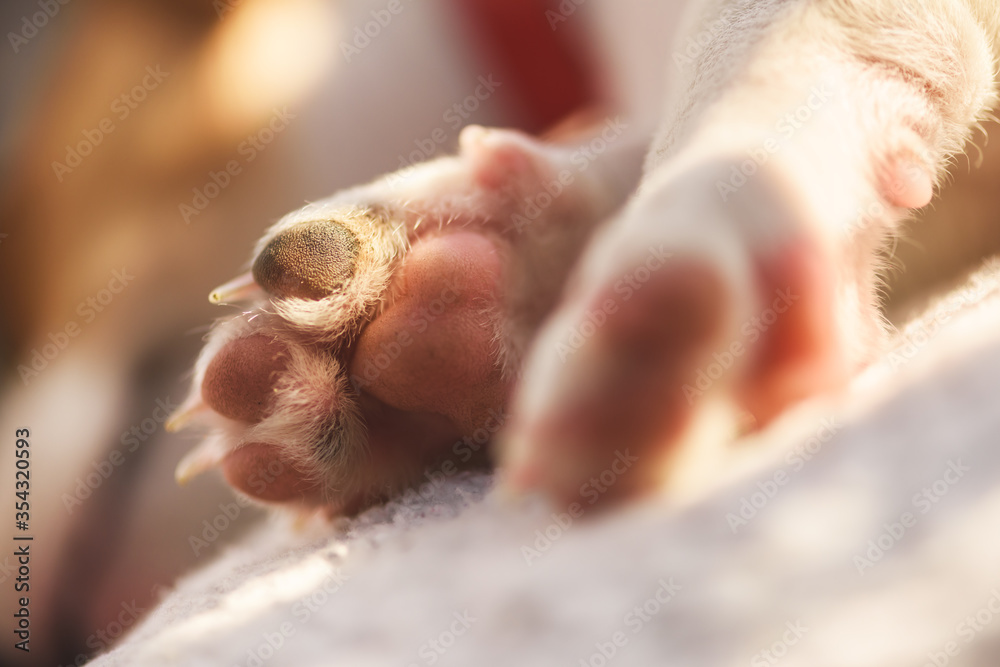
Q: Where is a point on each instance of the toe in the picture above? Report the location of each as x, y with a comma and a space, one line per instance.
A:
615, 386
260, 471
239, 381
796, 349
616, 380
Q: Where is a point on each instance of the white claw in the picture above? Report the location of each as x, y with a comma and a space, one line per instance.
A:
240, 288
184, 414
205, 456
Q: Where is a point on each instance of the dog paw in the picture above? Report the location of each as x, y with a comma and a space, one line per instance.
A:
688, 300
381, 326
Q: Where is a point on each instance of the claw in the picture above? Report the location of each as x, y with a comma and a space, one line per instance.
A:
184, 414
240, 288
203, 457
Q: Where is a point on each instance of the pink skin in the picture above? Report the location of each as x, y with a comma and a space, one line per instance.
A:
238, 383
907, 184
633, 399
798, 356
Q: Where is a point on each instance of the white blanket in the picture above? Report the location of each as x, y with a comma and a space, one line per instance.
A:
860, 532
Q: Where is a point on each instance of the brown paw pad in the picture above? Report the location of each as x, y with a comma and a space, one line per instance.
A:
309, 261
239, 381
261, 471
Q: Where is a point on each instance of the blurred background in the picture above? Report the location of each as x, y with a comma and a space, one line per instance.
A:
145, 146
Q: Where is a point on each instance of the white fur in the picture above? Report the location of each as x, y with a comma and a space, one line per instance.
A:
883, 79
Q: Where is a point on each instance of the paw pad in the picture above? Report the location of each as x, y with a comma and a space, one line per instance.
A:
326, 269
308, 261
239, 381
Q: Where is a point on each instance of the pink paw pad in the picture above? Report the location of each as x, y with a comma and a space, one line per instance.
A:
627, 392
260, 471
239, 381
434, 348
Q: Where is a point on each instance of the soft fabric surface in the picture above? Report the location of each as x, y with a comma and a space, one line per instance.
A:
880, 548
